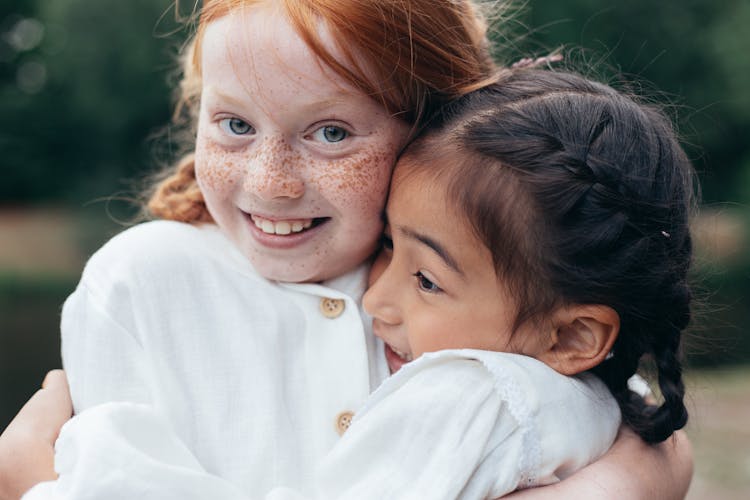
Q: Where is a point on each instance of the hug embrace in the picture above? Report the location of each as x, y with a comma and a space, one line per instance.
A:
307, 321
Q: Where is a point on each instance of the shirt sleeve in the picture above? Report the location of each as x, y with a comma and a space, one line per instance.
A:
123, 451
103, 360
441, 428
437, 429
119, 446
440, 431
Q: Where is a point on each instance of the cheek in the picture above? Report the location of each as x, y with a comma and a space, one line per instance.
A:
215, 170
357, 185
435, 330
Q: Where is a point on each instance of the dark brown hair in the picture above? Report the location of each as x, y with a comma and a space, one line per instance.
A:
583, 196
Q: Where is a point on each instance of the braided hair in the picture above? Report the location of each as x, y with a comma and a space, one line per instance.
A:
583, 196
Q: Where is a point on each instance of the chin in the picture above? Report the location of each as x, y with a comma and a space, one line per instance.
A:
286, 272
301, 270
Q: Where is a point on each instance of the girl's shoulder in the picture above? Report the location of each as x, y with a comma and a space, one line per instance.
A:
562, 422
159, 247
527, 386
162, 235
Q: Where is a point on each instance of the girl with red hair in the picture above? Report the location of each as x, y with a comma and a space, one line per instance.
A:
233, 324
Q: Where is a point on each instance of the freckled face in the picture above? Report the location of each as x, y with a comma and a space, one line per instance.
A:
293, 163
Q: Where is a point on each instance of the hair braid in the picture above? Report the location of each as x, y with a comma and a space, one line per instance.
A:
178, 196
583, 196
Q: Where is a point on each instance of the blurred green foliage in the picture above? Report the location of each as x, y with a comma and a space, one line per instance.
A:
84, 85
694, 51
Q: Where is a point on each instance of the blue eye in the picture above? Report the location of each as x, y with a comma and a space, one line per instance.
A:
331, 134
236, 126
425, 284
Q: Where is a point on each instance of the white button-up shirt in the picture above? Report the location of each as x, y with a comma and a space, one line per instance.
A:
250, 374
194, 378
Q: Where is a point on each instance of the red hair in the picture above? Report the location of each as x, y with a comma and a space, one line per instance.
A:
412, 56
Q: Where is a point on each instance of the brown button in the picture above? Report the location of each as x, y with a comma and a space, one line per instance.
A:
331, 308
343, 421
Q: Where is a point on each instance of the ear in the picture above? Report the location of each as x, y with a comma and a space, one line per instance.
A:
581, 337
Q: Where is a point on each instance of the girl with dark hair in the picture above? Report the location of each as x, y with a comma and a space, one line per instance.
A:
235, 322
536, 251
580, 196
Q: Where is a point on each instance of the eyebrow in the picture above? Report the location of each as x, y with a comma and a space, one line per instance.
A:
221, 96
320, 105
435, 246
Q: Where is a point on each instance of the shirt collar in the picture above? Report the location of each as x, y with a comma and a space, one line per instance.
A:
351, 284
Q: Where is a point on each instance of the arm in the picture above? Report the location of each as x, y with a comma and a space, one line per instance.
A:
103, 359
631, 470
121, 451
26, 445
117, 451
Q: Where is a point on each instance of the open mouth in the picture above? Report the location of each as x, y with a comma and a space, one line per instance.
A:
395, 358
286, 227
405, 356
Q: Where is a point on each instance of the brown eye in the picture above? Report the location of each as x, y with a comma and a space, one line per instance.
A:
425, 284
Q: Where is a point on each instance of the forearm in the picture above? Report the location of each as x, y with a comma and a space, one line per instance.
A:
26, 445
124, 451
631, 470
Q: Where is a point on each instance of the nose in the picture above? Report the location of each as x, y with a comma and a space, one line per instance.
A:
275, 172
381, 298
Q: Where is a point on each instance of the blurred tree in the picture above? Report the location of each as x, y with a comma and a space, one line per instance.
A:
83, 84
694, 51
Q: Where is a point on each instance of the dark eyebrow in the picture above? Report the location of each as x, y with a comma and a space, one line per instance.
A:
435, 246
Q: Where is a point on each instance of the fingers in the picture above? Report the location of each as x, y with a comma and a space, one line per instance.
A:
55, 399
48, 409
27, 444
59, 393
55, 379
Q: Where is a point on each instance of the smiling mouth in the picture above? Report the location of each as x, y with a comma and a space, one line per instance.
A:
286, 227
403, 355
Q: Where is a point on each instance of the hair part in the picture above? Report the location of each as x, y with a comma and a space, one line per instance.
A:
583, 196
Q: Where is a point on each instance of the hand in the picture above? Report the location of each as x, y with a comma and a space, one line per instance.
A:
630, 470
27, 450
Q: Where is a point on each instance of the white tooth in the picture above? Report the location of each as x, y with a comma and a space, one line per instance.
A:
283, 228
402, 355
258, 223
308, 224
268, 227
297, 227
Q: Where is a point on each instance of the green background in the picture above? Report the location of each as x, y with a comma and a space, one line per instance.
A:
85, 92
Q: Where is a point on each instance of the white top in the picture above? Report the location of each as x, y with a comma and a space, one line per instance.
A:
468, 424
250, 374
459, 424
161, 318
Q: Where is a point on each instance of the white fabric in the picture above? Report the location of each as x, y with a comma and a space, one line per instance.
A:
249, 374
451, 425
469, 424
219, 384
